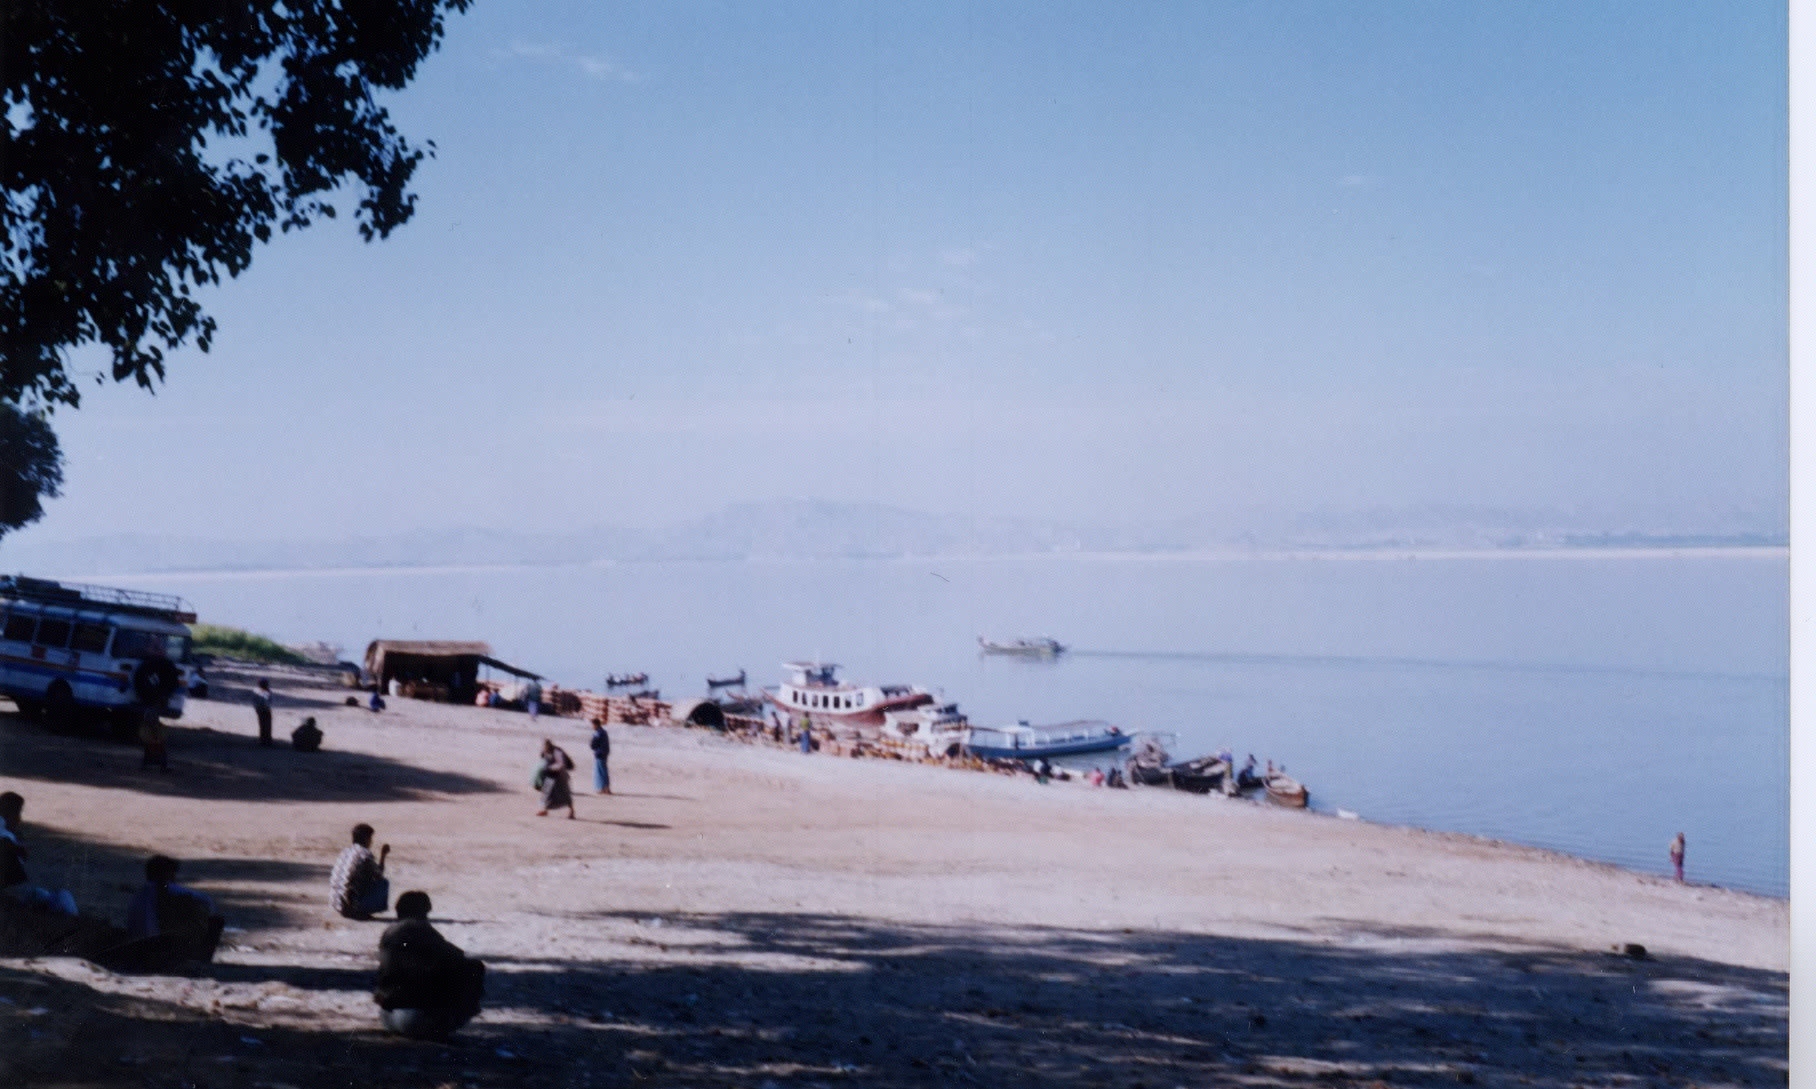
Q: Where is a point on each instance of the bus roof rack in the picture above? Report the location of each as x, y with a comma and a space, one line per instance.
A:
77, 594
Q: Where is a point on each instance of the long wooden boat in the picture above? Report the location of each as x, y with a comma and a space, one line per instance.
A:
1038, 647
1200, 776
1285, 790
1024, 742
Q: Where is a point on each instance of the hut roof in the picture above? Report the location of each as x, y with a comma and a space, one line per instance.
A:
437, 648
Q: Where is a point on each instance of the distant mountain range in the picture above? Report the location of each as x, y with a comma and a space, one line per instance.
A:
818, 529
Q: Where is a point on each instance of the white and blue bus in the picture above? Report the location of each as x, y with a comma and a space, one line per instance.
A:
68, 651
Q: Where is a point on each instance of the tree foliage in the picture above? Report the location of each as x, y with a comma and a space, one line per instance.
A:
148, 145
31, 467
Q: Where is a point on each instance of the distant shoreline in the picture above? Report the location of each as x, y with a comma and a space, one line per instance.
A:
1377, 555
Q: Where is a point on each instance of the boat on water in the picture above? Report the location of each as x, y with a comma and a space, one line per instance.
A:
1024, 742
1039, 647
726, 682
813, 689
1283, 789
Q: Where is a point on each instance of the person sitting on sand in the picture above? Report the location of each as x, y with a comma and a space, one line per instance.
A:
182, 919
14, 881
307, 737
357, 888
427, 987
552, 779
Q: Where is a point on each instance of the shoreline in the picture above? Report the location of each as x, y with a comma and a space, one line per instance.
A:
736, 914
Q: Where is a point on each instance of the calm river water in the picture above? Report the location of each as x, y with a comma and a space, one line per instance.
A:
1591, 703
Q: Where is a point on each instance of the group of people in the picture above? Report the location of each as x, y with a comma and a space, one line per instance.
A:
427, 987
554, 769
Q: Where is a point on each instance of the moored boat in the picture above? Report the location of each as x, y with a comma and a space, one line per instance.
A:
813, 689
1038, 647
934, 729
1283, 789
1024, 742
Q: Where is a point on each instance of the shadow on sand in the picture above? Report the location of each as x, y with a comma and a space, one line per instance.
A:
811, 1000
206, 763
250, 892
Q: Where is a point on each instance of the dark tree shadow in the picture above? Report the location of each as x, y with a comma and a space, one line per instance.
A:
207, 763
250, 892
811, 1000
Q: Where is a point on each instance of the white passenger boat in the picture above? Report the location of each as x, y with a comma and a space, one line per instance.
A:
934, 729
813, 689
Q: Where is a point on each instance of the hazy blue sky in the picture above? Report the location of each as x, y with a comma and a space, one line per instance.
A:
1056, 260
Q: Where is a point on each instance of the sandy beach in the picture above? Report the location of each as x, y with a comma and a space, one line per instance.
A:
743, 915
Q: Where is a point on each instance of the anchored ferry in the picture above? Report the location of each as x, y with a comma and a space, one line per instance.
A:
813, 689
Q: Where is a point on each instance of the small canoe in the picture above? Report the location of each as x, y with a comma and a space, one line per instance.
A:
1287, 791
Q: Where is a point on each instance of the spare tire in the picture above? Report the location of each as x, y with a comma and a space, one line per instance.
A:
155, 680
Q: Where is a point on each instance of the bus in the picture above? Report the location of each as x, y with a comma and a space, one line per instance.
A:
69, 651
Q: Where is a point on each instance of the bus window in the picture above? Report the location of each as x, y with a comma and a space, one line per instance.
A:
52, 632
90, 638
130, 643
19, 627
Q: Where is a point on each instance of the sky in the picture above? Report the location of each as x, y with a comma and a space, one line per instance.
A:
1080, 262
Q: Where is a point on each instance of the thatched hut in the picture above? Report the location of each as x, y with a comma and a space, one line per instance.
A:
435, 669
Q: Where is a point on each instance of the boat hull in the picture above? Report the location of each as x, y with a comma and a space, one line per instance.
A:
867, 716
1287, 792
1035, 752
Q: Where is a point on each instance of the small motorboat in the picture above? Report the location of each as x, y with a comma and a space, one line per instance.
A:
726, 682
1038, 647
625, 680
1024, 742
1283, 789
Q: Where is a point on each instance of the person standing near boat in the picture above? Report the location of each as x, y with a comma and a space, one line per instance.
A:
1677, 856
602, 751
806, 736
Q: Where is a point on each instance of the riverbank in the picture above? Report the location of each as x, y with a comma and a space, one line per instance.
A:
739, 914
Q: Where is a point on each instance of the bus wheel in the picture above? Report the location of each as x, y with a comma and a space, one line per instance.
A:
60, 707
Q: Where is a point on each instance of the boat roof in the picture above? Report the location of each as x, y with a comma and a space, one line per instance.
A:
1074, 726
812, 672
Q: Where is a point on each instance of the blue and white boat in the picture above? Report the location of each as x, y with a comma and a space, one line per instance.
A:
1024, 742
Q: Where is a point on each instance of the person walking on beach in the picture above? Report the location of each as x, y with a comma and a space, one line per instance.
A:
552, 779
261, 706
532, 697
427, 987
357, 888
602, 751
1677, 856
